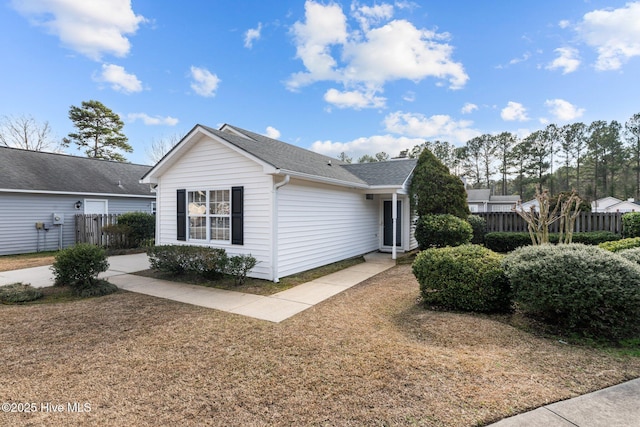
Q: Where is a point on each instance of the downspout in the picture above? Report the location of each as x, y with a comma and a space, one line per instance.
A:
394, 217
274, 249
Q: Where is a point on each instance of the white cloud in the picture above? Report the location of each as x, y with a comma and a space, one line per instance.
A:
409, 96
204, 83
120, 80
251, 35
152, 121
439, 126
525, 57
370, 145
468, 108
514, 111
563, 110
371, 15
367, 58
353, 99
614, 33
272, 132
567, 60
564, 24
93, 28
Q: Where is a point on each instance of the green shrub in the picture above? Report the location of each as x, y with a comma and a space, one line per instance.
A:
622, 244
239, 265
142, 227
595, 237
183, 259
479, 227
79, 266
98, 288
631, 224
632, 254
439, 230
504, 242
118, 236
18, 292
467, 277
577, 288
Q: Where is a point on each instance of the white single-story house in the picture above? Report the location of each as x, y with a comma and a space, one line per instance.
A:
40, 194
290, 208
612, 204
481, 200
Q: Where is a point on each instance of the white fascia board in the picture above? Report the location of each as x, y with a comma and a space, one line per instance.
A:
324, 180
71, 193
386, 189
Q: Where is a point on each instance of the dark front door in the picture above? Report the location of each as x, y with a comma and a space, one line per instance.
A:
388, 224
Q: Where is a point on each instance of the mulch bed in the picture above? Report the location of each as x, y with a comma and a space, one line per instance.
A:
368, 356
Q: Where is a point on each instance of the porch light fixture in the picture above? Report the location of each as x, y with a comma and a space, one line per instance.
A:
78, 205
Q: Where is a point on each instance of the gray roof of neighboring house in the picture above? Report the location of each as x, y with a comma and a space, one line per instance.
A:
39, 171
484, 195
296, 159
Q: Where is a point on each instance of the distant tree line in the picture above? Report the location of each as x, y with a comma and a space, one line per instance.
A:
597, 160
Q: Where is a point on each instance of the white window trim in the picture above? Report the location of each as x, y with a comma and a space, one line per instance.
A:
208, 216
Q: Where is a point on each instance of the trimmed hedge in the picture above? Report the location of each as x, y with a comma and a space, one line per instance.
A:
183, 259
620, 245
467, 277
142, 227
439, 230
577, 288
203, 261
508, 241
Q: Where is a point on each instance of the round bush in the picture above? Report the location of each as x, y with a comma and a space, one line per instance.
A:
467, 277
631, 224
632, 254
79, 266
578, 288
440, 230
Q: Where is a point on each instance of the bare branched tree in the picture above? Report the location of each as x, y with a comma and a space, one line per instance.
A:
161, 146
26, 133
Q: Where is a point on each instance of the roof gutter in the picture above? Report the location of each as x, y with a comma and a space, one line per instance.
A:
316, 178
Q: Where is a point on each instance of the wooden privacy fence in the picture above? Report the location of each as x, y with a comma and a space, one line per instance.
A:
586, 221
89, 228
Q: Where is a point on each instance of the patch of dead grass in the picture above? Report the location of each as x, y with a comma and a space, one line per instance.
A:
17, 262
368, 356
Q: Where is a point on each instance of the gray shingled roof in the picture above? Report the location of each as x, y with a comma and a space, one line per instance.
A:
392, 172
296, 159
286, 156
40, 171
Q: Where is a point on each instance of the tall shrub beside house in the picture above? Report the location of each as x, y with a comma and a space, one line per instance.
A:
434, 191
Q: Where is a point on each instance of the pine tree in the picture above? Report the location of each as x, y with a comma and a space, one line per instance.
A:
99, 131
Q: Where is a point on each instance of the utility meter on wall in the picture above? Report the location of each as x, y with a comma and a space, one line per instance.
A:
58, 218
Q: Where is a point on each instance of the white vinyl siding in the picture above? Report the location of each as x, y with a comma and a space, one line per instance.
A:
320, 224
210, 165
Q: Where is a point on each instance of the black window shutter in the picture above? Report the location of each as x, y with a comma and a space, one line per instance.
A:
181, 215
237, 215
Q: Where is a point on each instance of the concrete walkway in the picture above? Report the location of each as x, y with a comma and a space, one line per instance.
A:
274, 308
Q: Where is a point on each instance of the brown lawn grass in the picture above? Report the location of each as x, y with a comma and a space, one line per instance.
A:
368, 356
17, 262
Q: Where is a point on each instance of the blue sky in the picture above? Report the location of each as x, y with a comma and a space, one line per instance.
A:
359, 77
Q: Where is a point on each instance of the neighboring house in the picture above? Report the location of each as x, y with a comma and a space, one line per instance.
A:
290, 208
611, 204
50, 189
481, 200
526, 206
